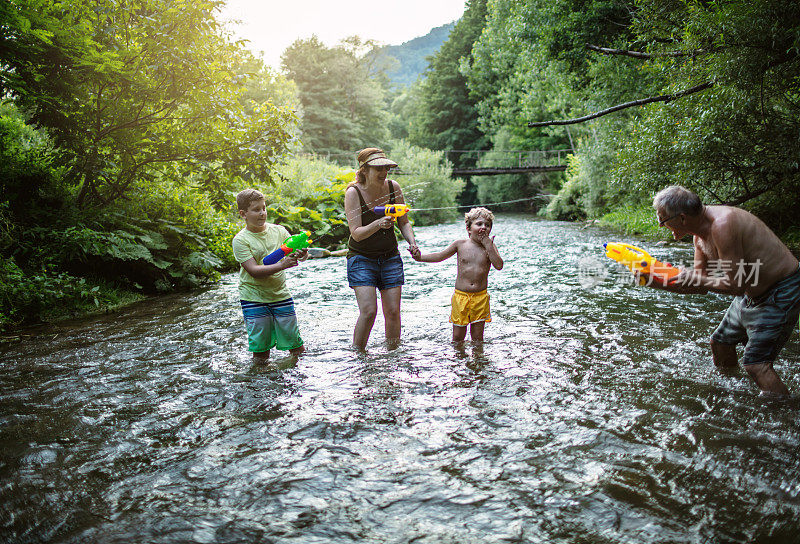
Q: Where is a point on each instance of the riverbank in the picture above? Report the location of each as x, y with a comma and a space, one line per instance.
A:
641, 222
101, 299
113, 300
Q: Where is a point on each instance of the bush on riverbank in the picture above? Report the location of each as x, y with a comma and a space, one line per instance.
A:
47, 295
309, 196
635, 220
427, 182
59, 260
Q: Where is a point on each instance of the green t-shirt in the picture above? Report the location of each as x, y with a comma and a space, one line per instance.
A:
257, 245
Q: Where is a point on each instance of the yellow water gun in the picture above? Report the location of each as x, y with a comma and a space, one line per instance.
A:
638, 260
393, 210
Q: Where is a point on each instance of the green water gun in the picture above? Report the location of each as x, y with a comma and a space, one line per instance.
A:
298, 241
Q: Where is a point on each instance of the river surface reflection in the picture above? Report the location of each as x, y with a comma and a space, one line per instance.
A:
592, 414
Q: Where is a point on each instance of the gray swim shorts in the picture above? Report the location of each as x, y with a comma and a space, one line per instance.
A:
763, 324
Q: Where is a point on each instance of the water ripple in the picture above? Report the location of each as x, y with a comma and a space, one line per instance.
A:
591, 414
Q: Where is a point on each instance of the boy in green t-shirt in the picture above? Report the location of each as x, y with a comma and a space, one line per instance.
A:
267, 306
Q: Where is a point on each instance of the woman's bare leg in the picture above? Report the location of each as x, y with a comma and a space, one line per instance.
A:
390, 304
367, 300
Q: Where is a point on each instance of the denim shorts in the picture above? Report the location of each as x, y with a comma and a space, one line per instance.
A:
381, 273
764, 324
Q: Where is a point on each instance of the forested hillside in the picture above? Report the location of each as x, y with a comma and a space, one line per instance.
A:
713, 92
407, 61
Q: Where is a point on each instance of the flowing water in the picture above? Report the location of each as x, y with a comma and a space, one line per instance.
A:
592, 414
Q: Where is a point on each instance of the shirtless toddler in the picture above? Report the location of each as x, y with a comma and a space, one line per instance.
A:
476, 255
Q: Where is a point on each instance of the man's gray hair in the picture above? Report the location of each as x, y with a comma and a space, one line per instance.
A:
676, 199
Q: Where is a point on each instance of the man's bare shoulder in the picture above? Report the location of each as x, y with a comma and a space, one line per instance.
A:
726, 220
730, 215
736, 223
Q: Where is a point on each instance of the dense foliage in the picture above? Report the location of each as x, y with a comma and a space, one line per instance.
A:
126, 128
136, 90
342, 99
735, 142
125, 131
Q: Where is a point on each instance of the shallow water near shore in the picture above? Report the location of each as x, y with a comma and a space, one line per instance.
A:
591, 414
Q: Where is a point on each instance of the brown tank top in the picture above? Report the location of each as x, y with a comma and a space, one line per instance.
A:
381, 244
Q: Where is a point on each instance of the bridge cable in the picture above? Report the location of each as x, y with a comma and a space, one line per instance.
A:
475, 205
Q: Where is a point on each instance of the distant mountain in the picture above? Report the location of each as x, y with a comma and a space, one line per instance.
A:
408, 60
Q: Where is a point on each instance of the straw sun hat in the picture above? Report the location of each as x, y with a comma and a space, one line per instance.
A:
377, 158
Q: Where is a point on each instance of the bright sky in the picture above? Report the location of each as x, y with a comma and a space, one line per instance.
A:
272, 25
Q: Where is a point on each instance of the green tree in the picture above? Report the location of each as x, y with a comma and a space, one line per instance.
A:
132, 124
136, 90
446, 117
531, 63
714, 85
342, 98
735, 142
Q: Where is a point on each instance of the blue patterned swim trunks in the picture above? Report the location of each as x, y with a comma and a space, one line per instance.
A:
763, 324
271, 324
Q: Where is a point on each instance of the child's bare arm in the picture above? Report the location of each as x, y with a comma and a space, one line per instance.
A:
439, 256
492, 252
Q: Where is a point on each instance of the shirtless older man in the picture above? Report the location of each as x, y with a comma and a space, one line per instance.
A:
735, 253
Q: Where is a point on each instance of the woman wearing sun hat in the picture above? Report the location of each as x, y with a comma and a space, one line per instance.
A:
373, 258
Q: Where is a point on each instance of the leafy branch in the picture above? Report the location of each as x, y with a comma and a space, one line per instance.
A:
626, 105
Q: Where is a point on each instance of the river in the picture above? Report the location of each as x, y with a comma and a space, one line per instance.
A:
592, 414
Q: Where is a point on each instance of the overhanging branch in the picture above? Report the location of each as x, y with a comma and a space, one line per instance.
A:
634, 103
642, 55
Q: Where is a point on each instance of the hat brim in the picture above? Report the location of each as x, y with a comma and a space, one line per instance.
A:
379, 161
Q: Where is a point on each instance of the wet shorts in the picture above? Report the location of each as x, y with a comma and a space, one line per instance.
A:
469, 308
763, 324
271, 324
381, 273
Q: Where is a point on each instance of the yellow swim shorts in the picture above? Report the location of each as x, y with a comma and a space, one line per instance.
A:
469, 308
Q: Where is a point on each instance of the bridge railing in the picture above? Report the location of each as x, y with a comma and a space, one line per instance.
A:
515, 158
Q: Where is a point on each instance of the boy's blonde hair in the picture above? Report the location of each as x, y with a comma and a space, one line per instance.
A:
475, 213
247, 196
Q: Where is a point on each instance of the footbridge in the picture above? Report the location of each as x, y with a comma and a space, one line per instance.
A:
494, 162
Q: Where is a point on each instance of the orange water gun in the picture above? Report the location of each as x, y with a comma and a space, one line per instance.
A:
638, 260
